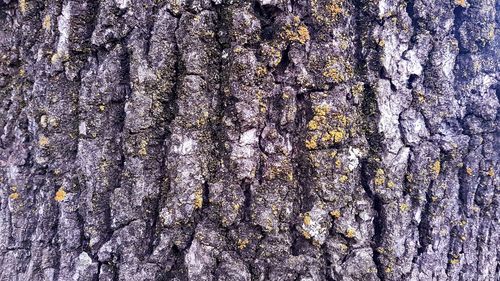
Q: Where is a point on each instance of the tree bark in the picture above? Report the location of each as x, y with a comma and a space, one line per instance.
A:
249, 140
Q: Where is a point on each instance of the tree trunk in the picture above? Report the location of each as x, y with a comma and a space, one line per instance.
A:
249, 140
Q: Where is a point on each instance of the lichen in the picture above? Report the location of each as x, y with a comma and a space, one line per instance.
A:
491, 172
198, 199
43, 141
296, 32
46, 24
436, 167
22, 6
469, 171
14, 195
379, 177
350, 232
461, 3
60, 195
335, 214
343, 178
403, 207
307, 219
261, 71
312, 143
143, 151
243, 243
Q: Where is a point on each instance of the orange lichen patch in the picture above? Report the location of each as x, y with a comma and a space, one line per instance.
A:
60, 195
469, 171
43, 141
350, 232
436, 167
243, 243
335, 214
198, 199
461, 3
14, 195
46, 24
379, 177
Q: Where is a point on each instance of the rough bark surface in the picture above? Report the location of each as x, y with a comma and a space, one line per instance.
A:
249, 140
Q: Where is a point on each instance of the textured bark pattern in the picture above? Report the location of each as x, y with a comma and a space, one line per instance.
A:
249, 140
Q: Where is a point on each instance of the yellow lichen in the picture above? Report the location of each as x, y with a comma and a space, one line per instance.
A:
14, 195
22, 6
335, 214
102, 107
313, 125
333, 74
306, 234
312, 143
60, 195
143, 151
307, 219
454, 261
46, 24
321, 110
43, 141
350, 232
388, 269
334, 8
336, 135
404, 207
390, 184
198, 199
469, 171
303, 34
298, 32
461, 3
491, 172
243, 243
436, 167
343, 178
55, 58
379, 177
261, 71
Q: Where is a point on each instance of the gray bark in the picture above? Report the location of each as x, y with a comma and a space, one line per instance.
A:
249, 140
